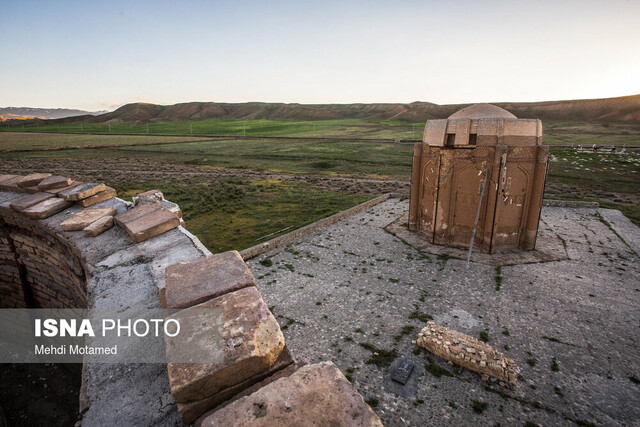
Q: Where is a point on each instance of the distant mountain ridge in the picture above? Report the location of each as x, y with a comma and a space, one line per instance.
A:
624, 109
29, 113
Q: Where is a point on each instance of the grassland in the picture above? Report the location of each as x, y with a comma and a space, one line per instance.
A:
344, 128
13, 141
555, 132
237, 210
237, 213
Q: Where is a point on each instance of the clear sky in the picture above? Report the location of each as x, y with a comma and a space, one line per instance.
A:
99, 55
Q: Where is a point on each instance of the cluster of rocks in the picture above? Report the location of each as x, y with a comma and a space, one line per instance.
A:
252, 379
467, 352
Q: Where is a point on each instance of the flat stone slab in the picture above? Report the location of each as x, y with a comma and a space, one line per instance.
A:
98, 227
82, 191
283, 366
152, 225
6, 177
549, 247
136, 213
57, 191
194, 282
30, 200
85, 218
106, 194
47, 208
32, 179
54, 181
10, 182
314, 395
252, 343
32, 190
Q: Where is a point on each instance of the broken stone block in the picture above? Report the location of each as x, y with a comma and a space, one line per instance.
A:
98, 227
54, 181
11, 183
47, 208
57, 191
467, 352
193, 282
151, 196
173, 208
85, 218
252, 343
284, 366
317, 393
149, 225
32, 179
82, 191
106, 194
27, 201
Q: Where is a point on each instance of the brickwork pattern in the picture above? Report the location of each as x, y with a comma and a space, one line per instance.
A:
44, 264
467, 352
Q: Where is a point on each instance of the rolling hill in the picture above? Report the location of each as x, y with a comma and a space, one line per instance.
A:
609, 110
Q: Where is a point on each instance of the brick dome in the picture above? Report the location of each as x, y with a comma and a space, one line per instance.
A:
482, 111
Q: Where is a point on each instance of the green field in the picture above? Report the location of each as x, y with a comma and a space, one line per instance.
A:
16, 141
344, 128
555, 132
293, 156
234, 210
236, 213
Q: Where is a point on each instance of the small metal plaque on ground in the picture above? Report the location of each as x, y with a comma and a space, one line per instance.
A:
402, 372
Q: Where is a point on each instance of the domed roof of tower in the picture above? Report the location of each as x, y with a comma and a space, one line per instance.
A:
482, 111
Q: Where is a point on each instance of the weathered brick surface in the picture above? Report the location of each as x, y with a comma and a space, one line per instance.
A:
252, 343
314, 395
467, 351
197, 281
35, 255
85, 218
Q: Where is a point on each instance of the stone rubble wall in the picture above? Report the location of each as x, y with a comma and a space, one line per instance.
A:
467, 352
149, 260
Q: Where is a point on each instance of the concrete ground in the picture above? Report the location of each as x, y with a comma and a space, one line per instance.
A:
353, 289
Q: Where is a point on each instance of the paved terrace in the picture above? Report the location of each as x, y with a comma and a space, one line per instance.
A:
571, 325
